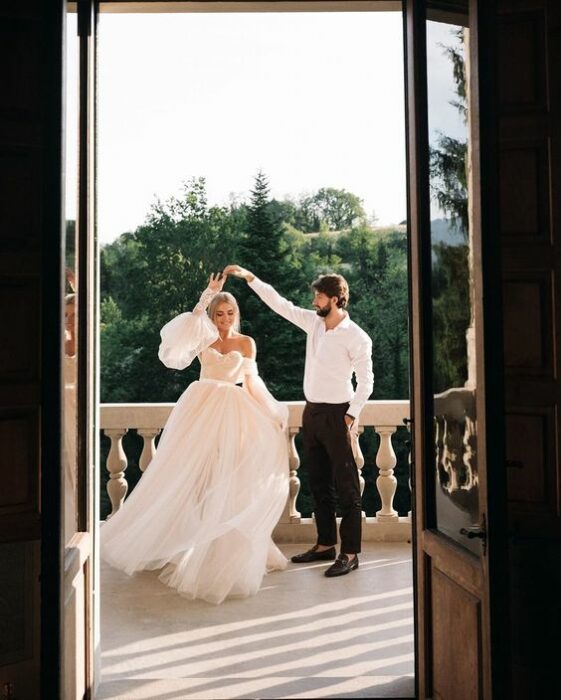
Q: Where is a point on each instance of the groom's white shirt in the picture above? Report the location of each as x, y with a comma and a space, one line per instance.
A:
331, 355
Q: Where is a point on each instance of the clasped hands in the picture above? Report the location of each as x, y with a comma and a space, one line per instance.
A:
216, 281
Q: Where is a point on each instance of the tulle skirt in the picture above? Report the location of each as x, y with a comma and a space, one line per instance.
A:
207, 504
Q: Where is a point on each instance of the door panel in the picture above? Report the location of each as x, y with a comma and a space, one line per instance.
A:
454, 675
450, 350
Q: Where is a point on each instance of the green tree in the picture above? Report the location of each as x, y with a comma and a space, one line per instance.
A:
265, 249
447, 160
449, 180
450, 260
159, 270
260, 247
451, 315
150, 276
334, 209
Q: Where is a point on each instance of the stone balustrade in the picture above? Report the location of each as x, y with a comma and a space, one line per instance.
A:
384, 416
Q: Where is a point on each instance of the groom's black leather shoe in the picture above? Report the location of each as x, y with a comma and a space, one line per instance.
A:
343, 565
314, 555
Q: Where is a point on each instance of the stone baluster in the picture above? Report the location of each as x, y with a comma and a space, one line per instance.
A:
116, 465
149, 436
386, 482
293, 479
359, 458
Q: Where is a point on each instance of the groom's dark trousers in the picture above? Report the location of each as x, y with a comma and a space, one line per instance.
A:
333, 474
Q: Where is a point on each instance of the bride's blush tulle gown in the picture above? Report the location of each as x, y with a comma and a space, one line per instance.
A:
206, 506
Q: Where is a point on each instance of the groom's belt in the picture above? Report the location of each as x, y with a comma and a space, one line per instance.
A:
329, 406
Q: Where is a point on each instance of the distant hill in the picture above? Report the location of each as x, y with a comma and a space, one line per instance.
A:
442, 231
392, 228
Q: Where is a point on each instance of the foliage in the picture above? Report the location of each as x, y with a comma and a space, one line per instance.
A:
449, 179
450, 264
331, 209
451, 315
447, 161
150, 275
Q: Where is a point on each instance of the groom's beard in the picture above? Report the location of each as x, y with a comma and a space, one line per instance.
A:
323, 311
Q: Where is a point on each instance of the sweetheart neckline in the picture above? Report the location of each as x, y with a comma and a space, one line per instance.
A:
225, 354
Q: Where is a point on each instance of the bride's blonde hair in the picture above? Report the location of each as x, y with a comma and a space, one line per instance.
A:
220, 298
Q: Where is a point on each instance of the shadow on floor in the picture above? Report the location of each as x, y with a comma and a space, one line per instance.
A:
302, 636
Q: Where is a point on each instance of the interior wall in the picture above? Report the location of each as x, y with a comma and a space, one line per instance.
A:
529, 52
30, 175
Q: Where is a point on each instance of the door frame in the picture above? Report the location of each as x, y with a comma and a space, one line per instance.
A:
484, 50
415, 99
62, 562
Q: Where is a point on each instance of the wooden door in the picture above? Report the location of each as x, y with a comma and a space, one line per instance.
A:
78, 506
455, 338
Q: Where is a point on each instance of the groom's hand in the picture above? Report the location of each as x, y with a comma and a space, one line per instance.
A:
237, 271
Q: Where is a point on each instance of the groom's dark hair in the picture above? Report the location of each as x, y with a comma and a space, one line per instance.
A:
333, 286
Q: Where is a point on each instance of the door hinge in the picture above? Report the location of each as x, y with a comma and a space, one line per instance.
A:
477, 532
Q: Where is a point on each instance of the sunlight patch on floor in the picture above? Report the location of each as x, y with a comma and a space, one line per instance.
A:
302, 636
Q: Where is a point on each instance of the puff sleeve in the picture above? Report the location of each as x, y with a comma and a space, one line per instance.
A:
187, 335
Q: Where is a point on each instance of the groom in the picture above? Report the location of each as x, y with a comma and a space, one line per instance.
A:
336, 347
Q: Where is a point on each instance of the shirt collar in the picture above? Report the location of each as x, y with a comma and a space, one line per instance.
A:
344, 323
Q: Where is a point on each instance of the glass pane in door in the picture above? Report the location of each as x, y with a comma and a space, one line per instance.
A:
453, 364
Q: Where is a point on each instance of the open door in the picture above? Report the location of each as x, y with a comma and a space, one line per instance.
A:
455, 341
78, 445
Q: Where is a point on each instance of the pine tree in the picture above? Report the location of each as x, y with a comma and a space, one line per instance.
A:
261, 248
280, 345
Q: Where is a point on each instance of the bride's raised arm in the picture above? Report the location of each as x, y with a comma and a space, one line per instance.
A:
188, 334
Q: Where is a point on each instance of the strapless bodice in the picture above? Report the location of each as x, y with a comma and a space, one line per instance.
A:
229, 367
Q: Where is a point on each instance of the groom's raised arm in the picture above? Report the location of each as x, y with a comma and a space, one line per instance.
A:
303, 318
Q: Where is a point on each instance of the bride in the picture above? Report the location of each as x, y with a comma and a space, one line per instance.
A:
207, 504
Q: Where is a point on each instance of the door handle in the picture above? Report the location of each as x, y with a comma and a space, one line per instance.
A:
473, 532
477, 532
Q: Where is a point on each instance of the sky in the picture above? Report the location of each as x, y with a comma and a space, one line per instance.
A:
443, 116
313, 99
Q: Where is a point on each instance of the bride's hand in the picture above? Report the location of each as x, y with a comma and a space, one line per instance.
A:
216, 281
237, 271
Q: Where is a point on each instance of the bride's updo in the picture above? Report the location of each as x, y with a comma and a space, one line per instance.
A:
228, 298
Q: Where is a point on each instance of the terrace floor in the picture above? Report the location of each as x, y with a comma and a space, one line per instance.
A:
301, 636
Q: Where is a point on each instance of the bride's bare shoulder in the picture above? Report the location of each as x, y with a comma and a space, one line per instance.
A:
247, 345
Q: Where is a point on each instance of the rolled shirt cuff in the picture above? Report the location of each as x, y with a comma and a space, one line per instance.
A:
354, 410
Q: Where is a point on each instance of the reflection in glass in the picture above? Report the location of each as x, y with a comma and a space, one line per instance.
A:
70, 286
455, 425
